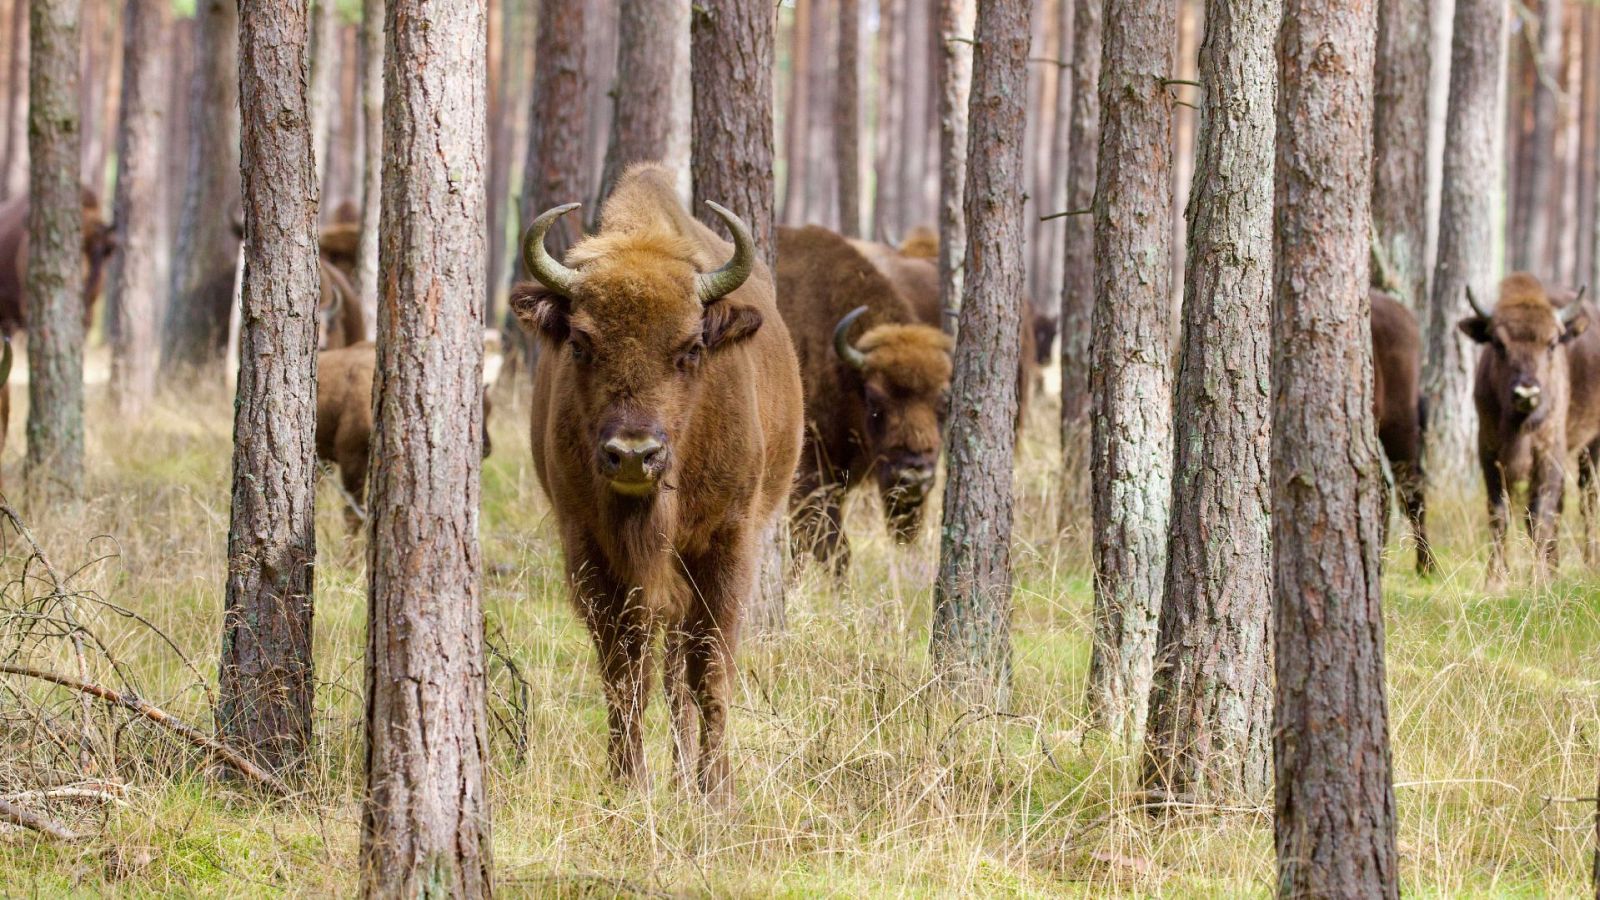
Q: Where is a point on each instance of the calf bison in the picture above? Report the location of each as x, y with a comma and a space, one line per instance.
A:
99, 242
875, 396
666, 427
1537, 390
1398, 409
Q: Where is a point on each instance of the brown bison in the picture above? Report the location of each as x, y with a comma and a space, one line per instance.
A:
99, 242
875, 394
1537, 390
339, 317
1398, 409
666, 427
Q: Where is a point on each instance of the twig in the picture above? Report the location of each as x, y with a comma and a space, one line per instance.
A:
956, 39
1071, 212
161, 717
1184, 103
1058, 63
1184, 81
16, 815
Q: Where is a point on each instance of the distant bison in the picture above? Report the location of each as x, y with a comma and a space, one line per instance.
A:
876, 380
666, 428
1537, 390
99, 242
1399, 411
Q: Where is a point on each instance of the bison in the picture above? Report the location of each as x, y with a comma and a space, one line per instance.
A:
1537, 392
666, 428
99, 242
1398, 409
875, 395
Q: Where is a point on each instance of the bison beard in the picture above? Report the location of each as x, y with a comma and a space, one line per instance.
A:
665, 428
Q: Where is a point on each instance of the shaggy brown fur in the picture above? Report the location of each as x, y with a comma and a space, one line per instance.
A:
99, 242
882, 422
1398, 408
632, 354
340, 244
921, 242
1537, 390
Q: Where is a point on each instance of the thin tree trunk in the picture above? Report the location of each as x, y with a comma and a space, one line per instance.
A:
1131, 380
1334, 801
819, 191
425, 817
1077, 264
645, 57
1399, 159
1440, 25
888, 222
1183, 153
14, 161
1535, 236
91, 82
175, 156
265, 683
795, 158
324, 80
506, 108
679, 137
197, 320
135, 277
1047, 302
372, 148
54, 283
915, 161
1466, 234
599, 78
1588, 104
1210, 707
554, 171
971, 640
847, 119
955, 85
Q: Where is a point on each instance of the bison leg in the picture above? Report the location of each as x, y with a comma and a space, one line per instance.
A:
1409, 483
725, 577
353, 475
1494, 483
1544, 511
620, 628
819, 524
680, 701
1588, 493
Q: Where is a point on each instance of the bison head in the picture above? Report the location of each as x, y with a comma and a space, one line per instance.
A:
99, 242
635, 321
1527, 334
904, 373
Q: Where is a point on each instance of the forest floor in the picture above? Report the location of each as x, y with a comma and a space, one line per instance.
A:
854, 777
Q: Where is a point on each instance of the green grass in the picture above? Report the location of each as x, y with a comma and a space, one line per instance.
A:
854, 777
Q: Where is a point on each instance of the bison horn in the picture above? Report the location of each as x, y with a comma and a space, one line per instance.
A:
713, 286
841, 339
1472, 301
5, 362
540, 263
1573, 309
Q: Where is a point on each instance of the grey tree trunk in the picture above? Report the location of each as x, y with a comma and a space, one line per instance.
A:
425, 817
135, 276
324, 79
265, 683
1077, 265
888, 223
599, 76
54, 283
1534, 239
1466, 255
1210, 706
955, 86
1334, 801
847, 119
372, 147
646, 55
13, 162
1130, 375
971, 639
197, 319
1399, 148
796, 161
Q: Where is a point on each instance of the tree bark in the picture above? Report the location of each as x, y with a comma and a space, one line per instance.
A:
324, 80
1210, 707
1466, 255
1077, 265
425, 819
971, 640
599, 78
955, 86
796, 161
1533, 249
1399, 158
1058, 165
197, 320
372, 148
1334, 802
13, 164
54, 283
915, 159
847, 119
887, 215
265, 683
1131, 381
554, 172
135, 276
642, 126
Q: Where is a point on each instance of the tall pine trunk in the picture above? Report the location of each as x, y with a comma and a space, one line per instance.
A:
1334, 801
1399, 150
372, 148
554, 165
1077, 264
971, 640
1532, 248
54, 284
955, 86
13, 165
425, 817
646, 56
1130, 375
847, 119
265, 684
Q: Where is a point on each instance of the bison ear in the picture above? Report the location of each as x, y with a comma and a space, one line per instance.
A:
1476, 327
541, 311
726, 324
1578, 325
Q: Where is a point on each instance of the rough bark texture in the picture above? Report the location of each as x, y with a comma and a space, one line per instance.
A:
1130, 375
425, 820
796, 162
917, 121
847, 119
955, 84
645, 60
1399, 147
1210, 707
971, 641
1335, 815
372, 147
554, 172
324, 78
1077, 266
1531, 250
135, 276
54, 285
887, 220
265, 683
197, 320
1466, 254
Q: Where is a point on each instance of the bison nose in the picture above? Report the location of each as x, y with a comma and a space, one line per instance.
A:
1525, 396
632, 457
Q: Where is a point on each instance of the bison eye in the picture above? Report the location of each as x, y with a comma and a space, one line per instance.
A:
689, 359
580, 353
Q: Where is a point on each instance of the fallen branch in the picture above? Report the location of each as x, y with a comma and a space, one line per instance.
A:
66, 793
16, 815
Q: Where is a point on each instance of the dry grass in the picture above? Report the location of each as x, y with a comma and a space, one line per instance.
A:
855, 779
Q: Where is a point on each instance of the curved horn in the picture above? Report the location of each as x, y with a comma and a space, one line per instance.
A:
5, 362
1572, 310
841, 339
1472, 301
340, 287
540, 263
713, 286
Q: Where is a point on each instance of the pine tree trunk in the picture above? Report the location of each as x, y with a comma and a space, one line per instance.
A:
54, 283
1535, 237
1588, 104
425, 819
955, 86
1335, 814
13, 164
1399, 158
1441, 23
265, 683
324, 79
372, 148
1183, 136
1466, 255
1059, 165
175, 154
1131, 381
554, 172
599, 78
819, 191
197, 320
971, 640
796, 160
135, 276
888, 223
645, 57
1210, 707
1077, 264
92, 59
915, 162
846, 119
